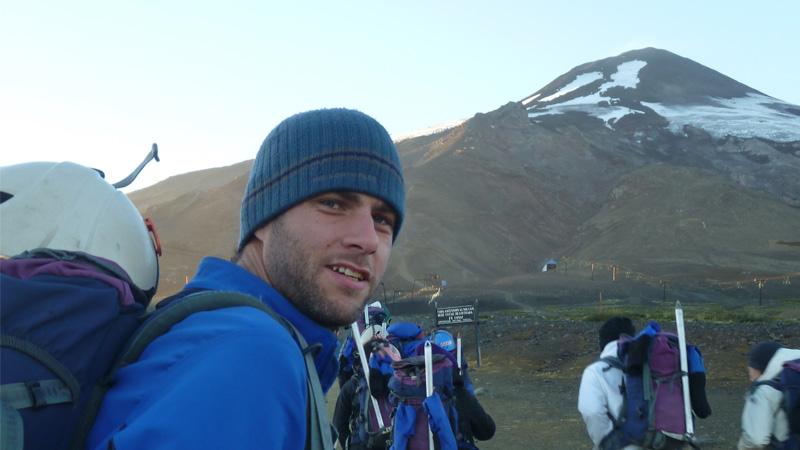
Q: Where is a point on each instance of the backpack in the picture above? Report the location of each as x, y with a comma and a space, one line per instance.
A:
364, 429
415, 413
788, 382
652, 414
406, 337
70, 320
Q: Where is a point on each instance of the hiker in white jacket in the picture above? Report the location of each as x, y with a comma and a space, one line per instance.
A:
600, 396
763, 419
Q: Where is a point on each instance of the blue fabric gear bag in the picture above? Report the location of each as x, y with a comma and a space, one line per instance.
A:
790, 384
66, 329
406, 337
60, 335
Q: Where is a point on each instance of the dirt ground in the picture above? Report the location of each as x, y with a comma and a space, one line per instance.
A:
532, 362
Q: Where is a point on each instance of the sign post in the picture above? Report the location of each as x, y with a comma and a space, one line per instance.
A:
460, 315
477, 337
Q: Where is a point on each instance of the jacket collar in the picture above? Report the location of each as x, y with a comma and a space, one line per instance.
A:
776, 363
610, 349
218, 274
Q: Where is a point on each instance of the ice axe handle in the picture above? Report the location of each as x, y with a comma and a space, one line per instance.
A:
129, 179
687, 406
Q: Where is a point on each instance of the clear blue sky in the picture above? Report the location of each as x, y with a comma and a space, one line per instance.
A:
97, 82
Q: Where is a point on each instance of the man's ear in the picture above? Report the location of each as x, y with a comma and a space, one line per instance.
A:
262, 233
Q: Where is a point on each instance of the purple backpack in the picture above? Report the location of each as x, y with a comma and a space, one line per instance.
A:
664, 369
653, 408
415, 412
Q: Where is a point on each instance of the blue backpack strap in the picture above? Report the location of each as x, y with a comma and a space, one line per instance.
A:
318, 437
404, 419
650, 401
613, 362
39, 393
774, 383
439, 422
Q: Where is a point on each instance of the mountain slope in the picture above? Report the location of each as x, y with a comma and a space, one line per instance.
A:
591, 166
673, 220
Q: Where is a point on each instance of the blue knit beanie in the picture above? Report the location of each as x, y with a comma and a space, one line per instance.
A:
316, 152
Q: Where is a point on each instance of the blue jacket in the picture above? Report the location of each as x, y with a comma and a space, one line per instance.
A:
229, 378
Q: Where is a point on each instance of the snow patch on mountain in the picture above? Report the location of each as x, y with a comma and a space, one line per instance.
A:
626, 76
753, 115
579, 81
597, 104
530, 99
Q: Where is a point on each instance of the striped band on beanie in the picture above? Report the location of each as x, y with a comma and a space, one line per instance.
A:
316, 152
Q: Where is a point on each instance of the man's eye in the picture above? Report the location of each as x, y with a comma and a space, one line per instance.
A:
383, 220
330, 203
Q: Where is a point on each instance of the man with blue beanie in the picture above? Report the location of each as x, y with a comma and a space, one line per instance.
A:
323, 205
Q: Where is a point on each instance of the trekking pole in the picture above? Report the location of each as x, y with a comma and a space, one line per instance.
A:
687, 406
429, 383
365, 368
458, 353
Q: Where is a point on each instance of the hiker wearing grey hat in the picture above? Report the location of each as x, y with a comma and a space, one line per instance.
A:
323, 205
764, 422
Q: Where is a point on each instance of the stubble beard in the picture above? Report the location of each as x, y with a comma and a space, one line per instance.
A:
291, 271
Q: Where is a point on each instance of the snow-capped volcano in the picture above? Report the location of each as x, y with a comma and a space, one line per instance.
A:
658, 83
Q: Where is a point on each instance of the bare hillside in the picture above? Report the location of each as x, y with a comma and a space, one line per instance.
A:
645, 160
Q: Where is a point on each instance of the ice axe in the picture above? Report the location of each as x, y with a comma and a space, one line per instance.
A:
129, 179
365, 368
458, 353
687, 406
429, 383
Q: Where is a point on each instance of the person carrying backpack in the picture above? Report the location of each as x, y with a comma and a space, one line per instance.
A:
354, 415
600, 397
473, 421
421, 417
653, 414
322, 208
771, 412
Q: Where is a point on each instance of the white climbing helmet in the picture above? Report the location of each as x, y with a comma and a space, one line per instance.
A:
66, 206
374, 332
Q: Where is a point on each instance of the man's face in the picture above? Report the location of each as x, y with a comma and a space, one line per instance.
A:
753, 374
327, 254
